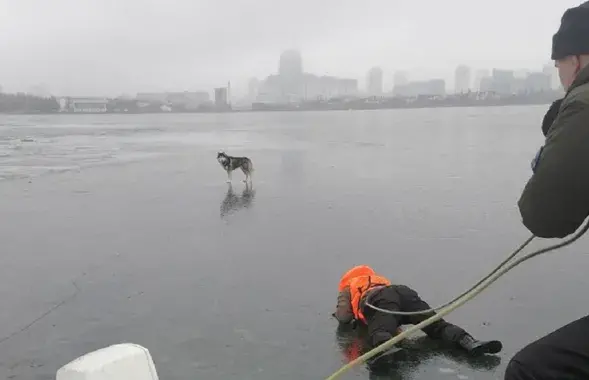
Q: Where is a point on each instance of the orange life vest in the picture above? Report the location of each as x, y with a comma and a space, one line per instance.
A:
360, 279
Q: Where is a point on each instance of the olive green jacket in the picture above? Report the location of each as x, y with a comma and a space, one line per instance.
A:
555, 200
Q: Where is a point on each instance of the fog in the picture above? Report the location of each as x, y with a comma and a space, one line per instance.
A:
110, 47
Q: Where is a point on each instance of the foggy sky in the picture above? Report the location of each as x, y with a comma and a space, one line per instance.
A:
110, 47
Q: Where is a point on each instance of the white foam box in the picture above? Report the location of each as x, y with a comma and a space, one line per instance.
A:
125, 361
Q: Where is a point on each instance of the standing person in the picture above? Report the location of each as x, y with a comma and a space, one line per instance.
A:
555, 201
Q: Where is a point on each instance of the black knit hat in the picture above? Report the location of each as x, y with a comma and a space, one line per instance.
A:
572, 38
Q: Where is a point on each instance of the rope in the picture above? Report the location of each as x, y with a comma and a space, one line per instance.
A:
435, 309
482, 285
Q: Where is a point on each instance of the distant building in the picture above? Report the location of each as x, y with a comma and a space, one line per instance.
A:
63, 104
186, 99
462, 79
290, 64
87, 105
221, 100
538, 82
290, 72
432, 87
519, 85
478, 79
507, 82
326, 87
312, 87
161, 97
269, 90
292, 85
436, 87
374, 81
502, 82
486, 84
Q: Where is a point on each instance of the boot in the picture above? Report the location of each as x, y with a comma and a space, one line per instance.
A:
477, 347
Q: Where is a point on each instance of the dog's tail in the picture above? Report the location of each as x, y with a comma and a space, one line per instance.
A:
250, 166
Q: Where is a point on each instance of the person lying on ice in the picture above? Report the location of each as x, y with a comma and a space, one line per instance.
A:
362, 281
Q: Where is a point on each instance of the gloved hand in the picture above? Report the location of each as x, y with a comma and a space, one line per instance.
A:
353, 323
550, 116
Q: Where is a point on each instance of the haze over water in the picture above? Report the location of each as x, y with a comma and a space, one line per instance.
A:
127, 223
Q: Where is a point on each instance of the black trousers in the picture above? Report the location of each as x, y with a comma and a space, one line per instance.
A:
383, 326
562, 354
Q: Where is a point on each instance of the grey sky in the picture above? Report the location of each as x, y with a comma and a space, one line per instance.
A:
109, 47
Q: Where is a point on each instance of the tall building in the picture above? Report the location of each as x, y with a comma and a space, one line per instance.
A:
290, 73
462, 79
503, 81
486, 84
374, 81
292, 85
221, 98
480, 81
290, 64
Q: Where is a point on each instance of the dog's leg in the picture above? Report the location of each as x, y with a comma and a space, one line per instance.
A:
228, 176
246, 174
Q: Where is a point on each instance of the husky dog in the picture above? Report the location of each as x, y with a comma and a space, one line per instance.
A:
230, 163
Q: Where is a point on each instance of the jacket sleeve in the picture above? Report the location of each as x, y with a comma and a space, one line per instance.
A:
550, 115
343, 312
555, 200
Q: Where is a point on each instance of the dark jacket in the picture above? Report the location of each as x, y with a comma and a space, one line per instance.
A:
555, 200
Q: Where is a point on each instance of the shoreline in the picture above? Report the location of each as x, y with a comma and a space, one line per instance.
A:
282, 108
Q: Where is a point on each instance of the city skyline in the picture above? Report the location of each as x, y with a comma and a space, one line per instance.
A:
93, 48
291, 62
290, 86
292, 83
